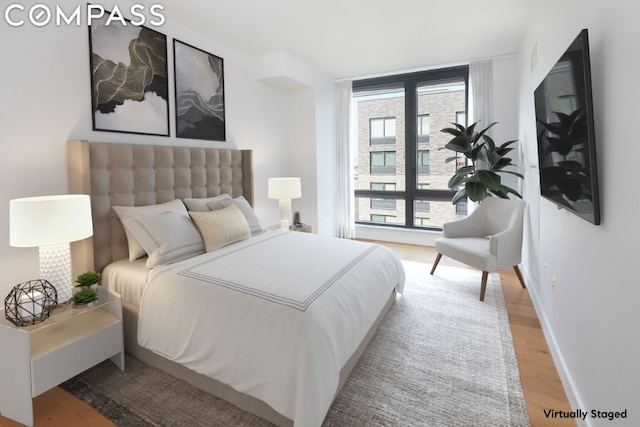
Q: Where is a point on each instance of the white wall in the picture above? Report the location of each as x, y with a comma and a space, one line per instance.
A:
591, 316
311, 137
46, 101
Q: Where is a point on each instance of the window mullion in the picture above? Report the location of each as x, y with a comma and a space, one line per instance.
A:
411, 114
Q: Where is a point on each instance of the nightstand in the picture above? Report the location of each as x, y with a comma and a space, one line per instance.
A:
305, 228
39, 357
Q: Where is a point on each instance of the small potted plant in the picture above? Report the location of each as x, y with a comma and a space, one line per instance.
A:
86, 294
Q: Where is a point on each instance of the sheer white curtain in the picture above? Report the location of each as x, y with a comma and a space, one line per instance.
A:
480, 100
346, 214
481, 92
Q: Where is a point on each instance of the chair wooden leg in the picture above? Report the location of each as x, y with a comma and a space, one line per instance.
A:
435, 264
519, 274
483, 287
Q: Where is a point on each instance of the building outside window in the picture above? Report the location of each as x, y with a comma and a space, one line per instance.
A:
423, 162
382, 130
380, 202
424, 128
383, 162
384, 219
384, 186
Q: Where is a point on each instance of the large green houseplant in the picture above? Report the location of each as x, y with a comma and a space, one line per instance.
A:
480, 177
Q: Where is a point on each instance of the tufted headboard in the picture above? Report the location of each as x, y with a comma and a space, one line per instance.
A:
116, 174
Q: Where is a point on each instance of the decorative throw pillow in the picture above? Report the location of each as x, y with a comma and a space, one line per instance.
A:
222, 227
167, 237
200, 205
245, 208
123, 212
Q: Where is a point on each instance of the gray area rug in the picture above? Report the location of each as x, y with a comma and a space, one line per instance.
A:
440, 358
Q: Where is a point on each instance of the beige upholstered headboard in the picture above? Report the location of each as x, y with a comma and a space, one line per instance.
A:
115, 174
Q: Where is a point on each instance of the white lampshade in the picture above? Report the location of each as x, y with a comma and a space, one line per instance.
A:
51, 223
49, 220
285, 188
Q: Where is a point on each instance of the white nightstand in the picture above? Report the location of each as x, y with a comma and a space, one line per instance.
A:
305, 228
39, 357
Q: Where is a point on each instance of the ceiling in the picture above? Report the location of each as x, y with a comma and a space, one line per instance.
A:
355, 38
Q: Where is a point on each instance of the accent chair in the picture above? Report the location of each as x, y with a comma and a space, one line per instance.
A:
489, 239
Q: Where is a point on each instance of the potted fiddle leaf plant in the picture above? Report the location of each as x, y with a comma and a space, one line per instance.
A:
480, 177
86, 294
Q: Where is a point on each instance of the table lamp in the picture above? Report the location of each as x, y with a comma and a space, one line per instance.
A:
51, 223
285, 189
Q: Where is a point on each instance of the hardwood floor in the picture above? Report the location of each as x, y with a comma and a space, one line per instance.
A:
540, 382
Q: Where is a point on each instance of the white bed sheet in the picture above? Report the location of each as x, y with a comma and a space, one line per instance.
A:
128, 278
231, 315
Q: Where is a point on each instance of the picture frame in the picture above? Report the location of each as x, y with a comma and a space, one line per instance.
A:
199, 93
129, 78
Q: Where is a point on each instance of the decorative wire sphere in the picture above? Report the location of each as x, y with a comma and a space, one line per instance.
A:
30, 302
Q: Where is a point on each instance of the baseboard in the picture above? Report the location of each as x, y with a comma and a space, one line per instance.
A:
409, 236
565, 377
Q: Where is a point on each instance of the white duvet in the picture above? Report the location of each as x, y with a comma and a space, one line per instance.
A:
275, 317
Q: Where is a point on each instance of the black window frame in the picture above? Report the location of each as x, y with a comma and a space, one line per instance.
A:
410, 82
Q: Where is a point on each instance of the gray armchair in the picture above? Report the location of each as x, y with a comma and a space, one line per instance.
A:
489, 239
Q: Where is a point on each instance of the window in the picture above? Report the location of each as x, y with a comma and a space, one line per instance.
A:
407, 185
423, 128
383, 204
423, 162
383, 186
383, 162
461, 118
461, 208
422, 206
382, 130
422, 222
385, 219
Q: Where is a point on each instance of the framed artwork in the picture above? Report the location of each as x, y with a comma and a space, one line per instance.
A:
129, 86
199, 86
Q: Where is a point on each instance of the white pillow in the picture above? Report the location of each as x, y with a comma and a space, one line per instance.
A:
167, 237
123, 212
222, 227
200, 205
245, 208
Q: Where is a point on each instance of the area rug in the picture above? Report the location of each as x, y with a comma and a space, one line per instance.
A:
440, 358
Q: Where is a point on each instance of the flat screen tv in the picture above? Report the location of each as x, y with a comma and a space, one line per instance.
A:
566, 136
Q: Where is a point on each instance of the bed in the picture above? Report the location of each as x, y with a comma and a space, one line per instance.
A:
273, 323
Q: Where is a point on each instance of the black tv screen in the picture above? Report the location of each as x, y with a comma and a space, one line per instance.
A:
566, 136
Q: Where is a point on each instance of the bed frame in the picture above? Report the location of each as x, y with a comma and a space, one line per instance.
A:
120, 174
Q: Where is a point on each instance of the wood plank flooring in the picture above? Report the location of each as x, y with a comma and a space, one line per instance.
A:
540, 382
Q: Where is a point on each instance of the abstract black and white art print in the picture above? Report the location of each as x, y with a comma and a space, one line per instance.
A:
199, 93
129, 86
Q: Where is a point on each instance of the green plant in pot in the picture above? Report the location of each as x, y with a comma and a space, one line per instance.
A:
480, 177
86, 294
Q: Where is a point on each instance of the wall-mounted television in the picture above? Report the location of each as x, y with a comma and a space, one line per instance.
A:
566, 135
